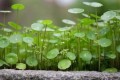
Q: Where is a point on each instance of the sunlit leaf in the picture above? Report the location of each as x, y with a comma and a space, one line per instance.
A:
21, 66
46, 22
64, 64
67, 21
104, 42
17, 6
52, 53
48, 29
75, 10
37, 26
65, 29
11, 58
93, 4
7, 30
31, 61
108, 15
15, 38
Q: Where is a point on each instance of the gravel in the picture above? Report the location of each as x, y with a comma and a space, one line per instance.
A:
11, 74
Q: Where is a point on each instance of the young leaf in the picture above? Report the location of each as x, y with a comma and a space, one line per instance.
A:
15, 38
104, 42
14, 25
52, 53
4, 42
71, 55
17, 7
85, 56
75, 10
64, 64
21, 66
11, 58
31, 61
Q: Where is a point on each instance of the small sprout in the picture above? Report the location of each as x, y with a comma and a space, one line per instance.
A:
14, 25
66, 21
31, 61
17, 7
93, 4
11, 58
79, 35
75, 10
85, 56
64, 64
104, 42
118, 48
21, 66
15, 38
71, 55
111, 70
37, 26
52, 53
4, 42
108, 15
28, 40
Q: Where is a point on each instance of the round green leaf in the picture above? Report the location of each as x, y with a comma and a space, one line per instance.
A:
21, 66
15, 38
64, 64
37, 26
85, 56
28, 39
87, 21
67, 21
91, 35
104, 31
75, 10
80, 34
108, 15
118, 17
52, 53
93, 4
48, 29
4, 42
71, 55
111, 70
118, 48
104, 42
31, 61
14, 25
46, 22
111, 55
17, 6
11, 58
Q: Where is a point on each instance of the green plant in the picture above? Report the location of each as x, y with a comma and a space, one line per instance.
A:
91, 43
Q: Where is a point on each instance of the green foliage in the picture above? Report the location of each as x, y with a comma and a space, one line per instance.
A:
90, 43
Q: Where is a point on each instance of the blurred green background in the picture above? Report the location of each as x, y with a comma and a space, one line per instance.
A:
57, 10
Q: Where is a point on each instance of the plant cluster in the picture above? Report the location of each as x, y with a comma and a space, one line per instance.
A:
91, 43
